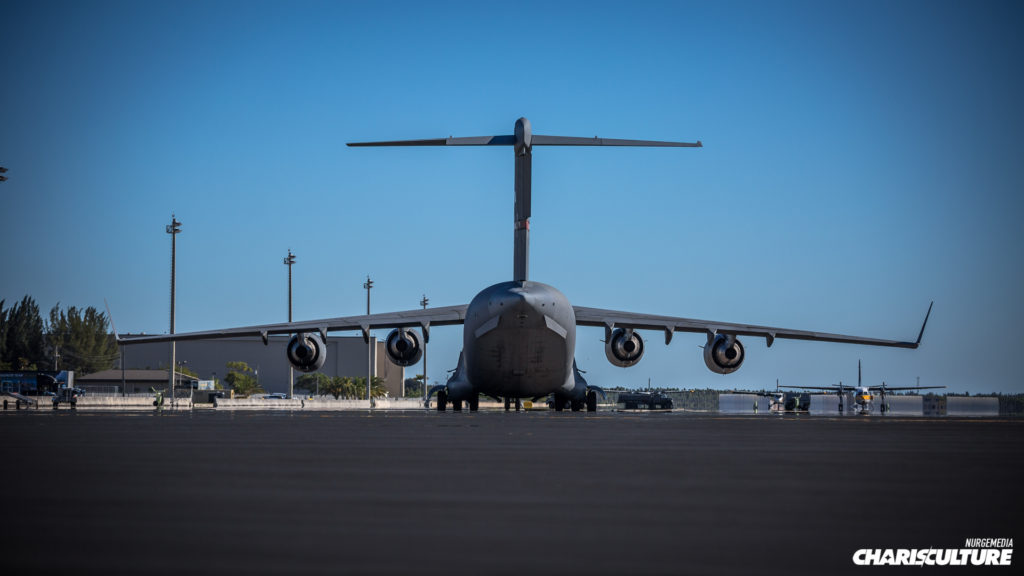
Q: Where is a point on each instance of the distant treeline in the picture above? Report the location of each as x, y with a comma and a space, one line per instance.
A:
69, 339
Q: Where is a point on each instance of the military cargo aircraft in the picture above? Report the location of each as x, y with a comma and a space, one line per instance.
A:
519, 336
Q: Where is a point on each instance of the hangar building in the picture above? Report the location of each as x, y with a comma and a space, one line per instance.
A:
346, 356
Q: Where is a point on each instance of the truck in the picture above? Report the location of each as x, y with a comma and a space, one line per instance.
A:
650, 400
68, 395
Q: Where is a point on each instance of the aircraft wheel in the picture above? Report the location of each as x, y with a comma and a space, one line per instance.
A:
559, 404
519, 404
576, 405
456, 405
442, 400
508, 403
474, 403
591, 401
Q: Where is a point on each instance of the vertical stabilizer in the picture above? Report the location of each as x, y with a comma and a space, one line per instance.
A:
524, 167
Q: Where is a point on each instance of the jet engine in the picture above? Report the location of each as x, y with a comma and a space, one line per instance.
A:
624, 347
723, 354
404, 347
307, 352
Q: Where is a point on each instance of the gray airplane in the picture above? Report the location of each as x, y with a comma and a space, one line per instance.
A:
519, 337
863, 396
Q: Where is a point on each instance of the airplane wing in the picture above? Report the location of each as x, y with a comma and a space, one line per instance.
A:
444, 316
829, 388
891, 388
611, 319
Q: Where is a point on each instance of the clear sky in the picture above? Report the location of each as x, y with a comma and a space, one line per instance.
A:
861, 159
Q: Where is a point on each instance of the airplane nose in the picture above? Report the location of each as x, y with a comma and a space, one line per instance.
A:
520, 305
521, 309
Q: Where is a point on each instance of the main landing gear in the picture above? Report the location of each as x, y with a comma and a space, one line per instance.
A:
442, 402
508, 404
588, 402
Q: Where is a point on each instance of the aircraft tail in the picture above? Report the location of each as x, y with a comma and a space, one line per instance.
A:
523, 140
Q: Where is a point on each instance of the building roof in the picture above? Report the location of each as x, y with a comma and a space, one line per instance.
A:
133, 375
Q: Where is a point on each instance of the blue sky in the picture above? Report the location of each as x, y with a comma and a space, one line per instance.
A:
861, 159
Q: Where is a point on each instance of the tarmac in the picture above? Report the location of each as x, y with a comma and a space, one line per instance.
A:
418, 492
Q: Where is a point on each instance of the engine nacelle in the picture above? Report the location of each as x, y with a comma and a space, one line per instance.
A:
723, 354
404, 347
624, 347
307, 352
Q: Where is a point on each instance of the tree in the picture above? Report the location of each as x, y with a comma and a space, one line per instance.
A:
414, 386
79, 339
57, 333
377, 388
313, 382
339, 386
23, 341
242, 379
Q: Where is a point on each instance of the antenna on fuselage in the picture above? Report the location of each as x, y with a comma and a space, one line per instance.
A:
523, 140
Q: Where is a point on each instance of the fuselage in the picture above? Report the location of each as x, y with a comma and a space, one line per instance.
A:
863, 398
519, 340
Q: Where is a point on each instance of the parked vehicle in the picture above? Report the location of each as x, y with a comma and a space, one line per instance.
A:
68, 395
650, 400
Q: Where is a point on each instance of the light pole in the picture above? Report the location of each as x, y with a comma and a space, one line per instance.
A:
368, 285
174, 228
191, 389
288, 261
124, 388
426, 380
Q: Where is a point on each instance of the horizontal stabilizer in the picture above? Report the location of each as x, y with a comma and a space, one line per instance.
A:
541, 140
465, 141
536, 140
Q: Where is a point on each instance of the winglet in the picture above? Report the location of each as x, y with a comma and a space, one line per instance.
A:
923, 324
117, 338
